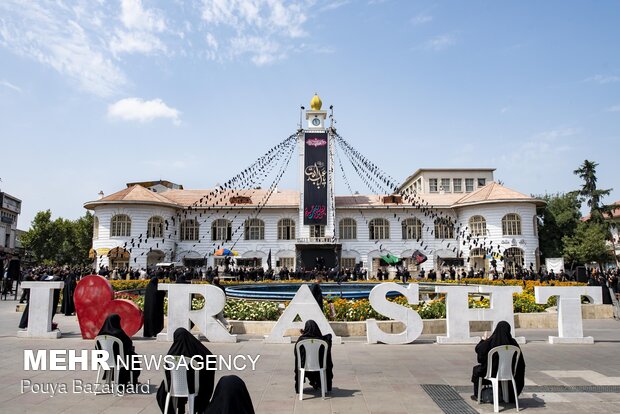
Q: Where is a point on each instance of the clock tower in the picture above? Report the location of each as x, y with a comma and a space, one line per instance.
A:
317, 245
315, 117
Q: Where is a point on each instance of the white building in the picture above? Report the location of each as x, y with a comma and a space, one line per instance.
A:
151, 222
10, 207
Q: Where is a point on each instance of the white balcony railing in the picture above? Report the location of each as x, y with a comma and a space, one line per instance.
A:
310, 240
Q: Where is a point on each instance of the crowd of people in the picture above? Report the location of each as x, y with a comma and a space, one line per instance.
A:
609, 278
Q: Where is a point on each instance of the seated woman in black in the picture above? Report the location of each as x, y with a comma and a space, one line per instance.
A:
231, 396
112, 327
186, 344
501, 336
311, 330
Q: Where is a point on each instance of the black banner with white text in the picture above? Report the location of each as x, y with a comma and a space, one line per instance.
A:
315, 178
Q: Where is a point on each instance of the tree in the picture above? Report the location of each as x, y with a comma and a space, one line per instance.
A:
588, 244
59, 242
590, 193
83, 236
38, 240
559, 218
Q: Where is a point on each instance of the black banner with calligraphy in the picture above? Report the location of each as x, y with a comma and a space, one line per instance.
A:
315, 178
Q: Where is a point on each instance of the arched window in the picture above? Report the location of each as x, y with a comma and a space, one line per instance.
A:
511, 225
513, 259
379, 229
221, 229
477, 226
286, 229
412, 229
189, 229
347, 229
95, 227
254, 229
155, 227
444, 228
535, 224
120, 226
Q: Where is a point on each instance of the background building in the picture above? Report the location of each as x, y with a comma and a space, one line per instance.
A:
10, 207
157, 221
156, 227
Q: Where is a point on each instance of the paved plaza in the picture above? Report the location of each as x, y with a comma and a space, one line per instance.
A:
418, 378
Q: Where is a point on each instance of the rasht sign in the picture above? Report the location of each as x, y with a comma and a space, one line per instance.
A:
458, 314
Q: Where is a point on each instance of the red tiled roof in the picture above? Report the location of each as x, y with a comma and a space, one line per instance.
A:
492, 192
495, 192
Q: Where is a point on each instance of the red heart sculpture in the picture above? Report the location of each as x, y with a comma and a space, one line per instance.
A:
94, 302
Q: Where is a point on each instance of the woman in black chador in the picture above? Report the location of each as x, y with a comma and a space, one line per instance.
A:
231, 396
67, 306
311, 330
317, 292
185, 344
153, 309
112, 327
501, 336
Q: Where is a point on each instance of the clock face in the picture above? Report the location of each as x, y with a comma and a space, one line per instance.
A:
316, 122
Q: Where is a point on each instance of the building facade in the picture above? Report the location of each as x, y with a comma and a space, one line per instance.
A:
151, 222
10, 208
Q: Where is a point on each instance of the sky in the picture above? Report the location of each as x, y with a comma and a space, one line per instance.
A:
96, 94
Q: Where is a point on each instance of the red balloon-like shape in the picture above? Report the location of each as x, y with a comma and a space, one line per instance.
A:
94, 302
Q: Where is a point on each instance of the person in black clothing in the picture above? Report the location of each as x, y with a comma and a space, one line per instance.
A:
153, 309
216, 282
317, 292
606, 294
112, 327
432, 274
68, 306
501, 336
311, 330
231, 396
182, 280
26, 292
185, 344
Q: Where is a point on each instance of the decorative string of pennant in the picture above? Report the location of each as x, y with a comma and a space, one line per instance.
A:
367, 168
265, 168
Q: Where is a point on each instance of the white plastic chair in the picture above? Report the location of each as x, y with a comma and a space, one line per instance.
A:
179, 386
106, 343
312, 363
504, 374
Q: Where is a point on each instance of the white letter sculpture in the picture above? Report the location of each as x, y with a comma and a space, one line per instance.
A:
304, 305
570, 324
180, 314
458, 314
501, 307
409, 317
40, 306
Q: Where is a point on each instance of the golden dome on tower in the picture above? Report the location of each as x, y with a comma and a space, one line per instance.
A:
316, 103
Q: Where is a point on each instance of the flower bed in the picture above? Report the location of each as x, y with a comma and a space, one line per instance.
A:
338, 309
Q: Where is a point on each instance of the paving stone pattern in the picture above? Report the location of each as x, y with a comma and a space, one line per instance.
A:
417, 378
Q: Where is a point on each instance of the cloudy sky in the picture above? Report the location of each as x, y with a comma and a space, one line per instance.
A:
95, 94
